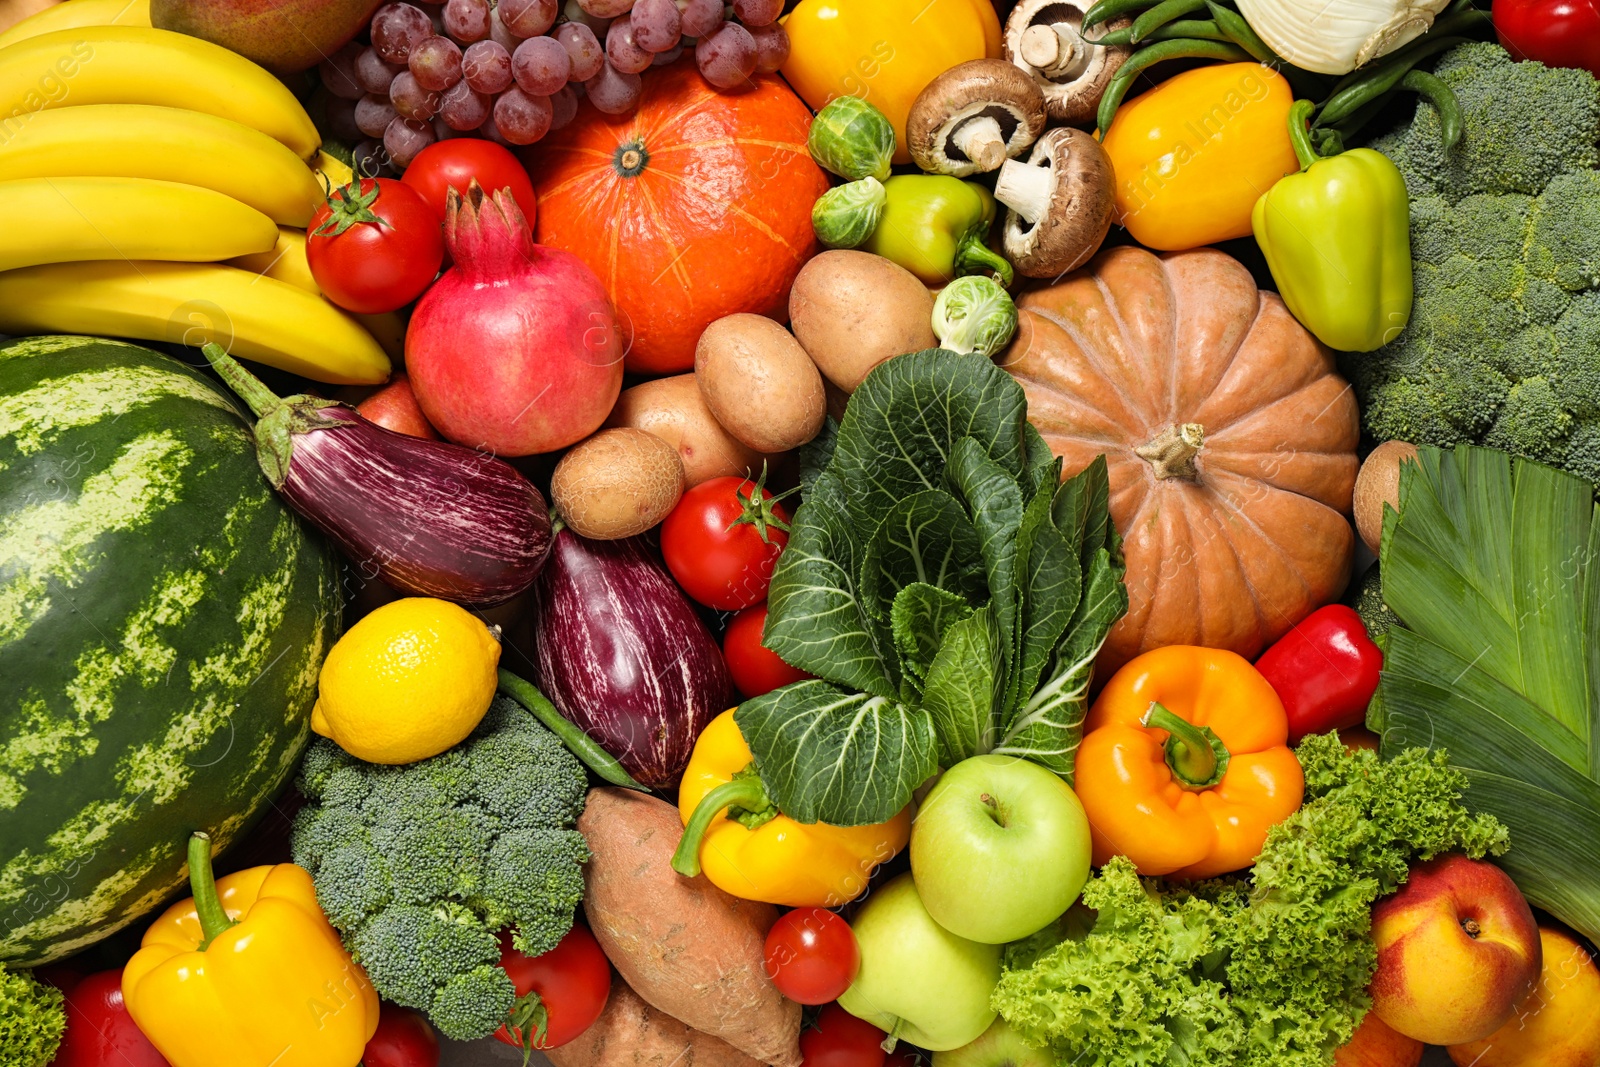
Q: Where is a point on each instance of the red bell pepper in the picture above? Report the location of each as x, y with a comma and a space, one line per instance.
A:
100, 1032
1558, 33
403, 1039
1325, 671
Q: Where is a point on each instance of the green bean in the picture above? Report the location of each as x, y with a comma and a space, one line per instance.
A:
1327, 142
1182, 30
1145, 58
1381, 78
1110, 9
1443, 100
581, 744
1348, 127
1241, 33
1163, 13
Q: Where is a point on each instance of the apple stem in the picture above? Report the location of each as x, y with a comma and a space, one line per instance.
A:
1195, 754
893, 1037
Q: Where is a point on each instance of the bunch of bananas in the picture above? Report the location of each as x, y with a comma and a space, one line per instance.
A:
157, 186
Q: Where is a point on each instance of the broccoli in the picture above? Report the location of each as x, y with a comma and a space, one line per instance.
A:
32, 1020
1503, 346
422, 867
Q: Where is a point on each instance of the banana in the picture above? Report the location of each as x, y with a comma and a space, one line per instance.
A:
255, 318
75, 14
138, 65
336, 170
56, 220
169, 144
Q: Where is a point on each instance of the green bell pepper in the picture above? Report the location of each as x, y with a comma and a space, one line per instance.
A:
934, 226
1337, 237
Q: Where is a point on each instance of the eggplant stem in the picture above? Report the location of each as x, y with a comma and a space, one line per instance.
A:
251, 390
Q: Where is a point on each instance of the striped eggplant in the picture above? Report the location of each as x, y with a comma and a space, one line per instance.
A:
428, 517
625, 656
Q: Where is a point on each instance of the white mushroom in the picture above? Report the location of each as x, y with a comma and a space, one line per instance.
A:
1042, 39
974, 116
1060, 204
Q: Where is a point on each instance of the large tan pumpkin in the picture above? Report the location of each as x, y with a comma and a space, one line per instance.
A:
1229, 436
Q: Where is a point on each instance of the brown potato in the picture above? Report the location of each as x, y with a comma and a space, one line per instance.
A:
759, 383
1377, 484
673, 410
617, 483
630, 1033
851, 311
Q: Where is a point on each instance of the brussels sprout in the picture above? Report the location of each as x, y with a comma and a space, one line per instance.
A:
846, 216
974, 314
852, 139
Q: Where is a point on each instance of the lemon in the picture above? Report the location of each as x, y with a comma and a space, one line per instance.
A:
409, 681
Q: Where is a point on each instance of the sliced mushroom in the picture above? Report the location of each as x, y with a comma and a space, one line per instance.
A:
974, 116
1043, 41
1060, 203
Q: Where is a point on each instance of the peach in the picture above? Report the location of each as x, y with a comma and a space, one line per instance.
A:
1375, 1044
1558, 1025
1457, 950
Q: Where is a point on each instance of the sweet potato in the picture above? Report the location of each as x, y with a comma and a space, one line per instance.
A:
686, 947
630, 1033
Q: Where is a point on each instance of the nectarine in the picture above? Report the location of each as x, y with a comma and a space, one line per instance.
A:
1375, 1044
1557, 1025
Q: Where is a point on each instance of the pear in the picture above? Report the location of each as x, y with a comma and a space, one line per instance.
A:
285, 36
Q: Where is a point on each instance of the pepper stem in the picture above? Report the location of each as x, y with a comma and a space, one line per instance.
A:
1300, 133
975, 257
745, 792
251, 389
1196, 755
214, 920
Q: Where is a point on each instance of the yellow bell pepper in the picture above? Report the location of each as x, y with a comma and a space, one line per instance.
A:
884, 51
1193, 155
746, 847
248, 973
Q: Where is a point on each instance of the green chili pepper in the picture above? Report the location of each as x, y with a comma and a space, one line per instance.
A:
934, 226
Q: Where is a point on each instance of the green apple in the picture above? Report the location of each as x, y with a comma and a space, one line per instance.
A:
918, 981
1000, 848
998, 1047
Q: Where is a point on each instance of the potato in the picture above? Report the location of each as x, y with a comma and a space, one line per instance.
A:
851, 311
686, 947
673, 410
1377, 484
617, 483
630, 1033
759, 383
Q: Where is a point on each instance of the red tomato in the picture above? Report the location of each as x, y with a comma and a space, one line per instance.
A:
403, 1039
564, 990
100, 1032
376, 251
723, 539
1558, 33
812, 955
459, 160
756, 669
842, 1040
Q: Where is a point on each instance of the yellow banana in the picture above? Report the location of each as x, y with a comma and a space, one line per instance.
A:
286, 261
78, 13
336, 170
169, 144
58, 220
253, 317
139, 65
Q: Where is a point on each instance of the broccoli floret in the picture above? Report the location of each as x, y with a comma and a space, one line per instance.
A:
32, 1020
422, 867
1503, 345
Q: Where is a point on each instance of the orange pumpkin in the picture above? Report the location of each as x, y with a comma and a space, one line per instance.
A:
696, 206
1229, 436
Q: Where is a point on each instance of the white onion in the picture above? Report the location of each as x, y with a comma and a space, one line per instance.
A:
1337, 36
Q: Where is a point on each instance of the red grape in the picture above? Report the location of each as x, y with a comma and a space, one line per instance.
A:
373, 114
522, 119
540, 65
487, 67
369, 157
657, 26
528, 18
443, 131
614, 92
757, 12
338, 73
606, 9
372, 73
700, 17
341, 120
395, 28
623, 51
404, 139
467, 20
772, 47
411, 100
727, 58
500, 35
436, 17
490, 132
462, 108
563, 107
436, 63
583, 48
670, 56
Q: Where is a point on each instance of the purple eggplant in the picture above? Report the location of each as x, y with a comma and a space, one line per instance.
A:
428, 517
624, 655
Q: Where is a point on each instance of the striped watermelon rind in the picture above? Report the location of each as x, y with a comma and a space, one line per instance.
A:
163, 617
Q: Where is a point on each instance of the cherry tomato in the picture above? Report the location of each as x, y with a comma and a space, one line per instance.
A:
756, 669
563, 991
403, 1039
100, 1031
842, 1040
375, 250
723, 539
459, 160
812, 955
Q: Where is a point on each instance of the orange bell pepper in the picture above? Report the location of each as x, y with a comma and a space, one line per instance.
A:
1185, 763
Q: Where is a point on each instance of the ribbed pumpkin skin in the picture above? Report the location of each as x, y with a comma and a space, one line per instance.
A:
163, 617
1136, 343
718, 220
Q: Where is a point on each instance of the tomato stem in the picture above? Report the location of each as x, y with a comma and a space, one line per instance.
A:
757, 507
348, 206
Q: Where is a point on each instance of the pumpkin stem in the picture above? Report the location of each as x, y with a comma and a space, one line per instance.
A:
1172, 451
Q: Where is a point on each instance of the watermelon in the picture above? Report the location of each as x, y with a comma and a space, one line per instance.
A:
163, 617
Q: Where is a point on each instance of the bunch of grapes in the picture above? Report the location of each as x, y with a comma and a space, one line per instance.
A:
512, 70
